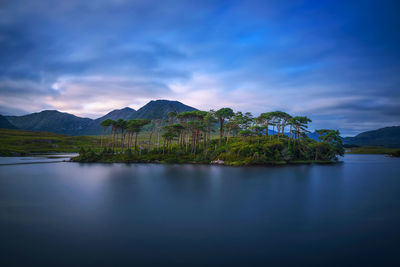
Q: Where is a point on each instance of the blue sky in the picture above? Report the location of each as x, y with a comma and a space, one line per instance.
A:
337, 62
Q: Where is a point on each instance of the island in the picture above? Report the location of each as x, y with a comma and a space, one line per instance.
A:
219, 137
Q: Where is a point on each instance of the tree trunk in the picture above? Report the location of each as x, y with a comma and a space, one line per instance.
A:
101, 140
158, 138
221, 130
229, 131
129, 140
187, 142
136, 140
149, 146
122, 142
109, 139
113, 141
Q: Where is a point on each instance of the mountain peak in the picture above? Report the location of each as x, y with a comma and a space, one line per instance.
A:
127, 108
49, 111
159, 109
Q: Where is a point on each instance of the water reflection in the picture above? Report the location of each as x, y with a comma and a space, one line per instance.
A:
127, 214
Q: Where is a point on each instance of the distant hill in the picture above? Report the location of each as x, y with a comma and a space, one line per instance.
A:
313, 135
387, 137
51, 121
5, 124
65, 123
159, 109
94, 127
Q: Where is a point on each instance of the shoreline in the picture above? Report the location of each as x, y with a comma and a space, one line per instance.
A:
269, 164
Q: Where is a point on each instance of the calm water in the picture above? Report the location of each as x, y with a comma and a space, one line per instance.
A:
69, 214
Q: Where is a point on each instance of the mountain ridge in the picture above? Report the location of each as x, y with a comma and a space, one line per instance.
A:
386, 136
50, 121
69, 124
6, 124
65, 123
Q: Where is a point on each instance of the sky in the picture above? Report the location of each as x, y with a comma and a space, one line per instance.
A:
338, 62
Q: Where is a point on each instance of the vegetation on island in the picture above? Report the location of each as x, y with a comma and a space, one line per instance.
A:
190, 137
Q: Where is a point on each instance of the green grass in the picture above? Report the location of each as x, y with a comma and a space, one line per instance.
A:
18, 142
371, 150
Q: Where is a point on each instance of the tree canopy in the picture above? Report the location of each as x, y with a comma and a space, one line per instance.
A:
242, 138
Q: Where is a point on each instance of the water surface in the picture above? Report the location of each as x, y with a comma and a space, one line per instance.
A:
147, 214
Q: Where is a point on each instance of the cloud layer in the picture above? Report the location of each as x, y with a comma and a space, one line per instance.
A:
336, 61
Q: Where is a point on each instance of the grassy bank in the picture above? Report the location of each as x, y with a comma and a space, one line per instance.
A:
372, 150
21, 143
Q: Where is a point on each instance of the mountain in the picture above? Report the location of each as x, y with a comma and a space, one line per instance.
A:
159, 109
155, 109
388, 137
51, 121
5, 124
64, 123
95, 128
313, 135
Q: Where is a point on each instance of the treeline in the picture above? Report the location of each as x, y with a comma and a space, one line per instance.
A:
241, 137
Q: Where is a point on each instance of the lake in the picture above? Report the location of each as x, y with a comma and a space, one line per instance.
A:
62, 213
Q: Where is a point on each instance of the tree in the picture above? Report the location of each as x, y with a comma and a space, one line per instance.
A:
190, 131
105, 124
299, 125
333, 138
122, 125
171, 132
157, 126
258, 130
233, 123
239, 121
223, 114
208, 122
193, 123
135, 126
279, 119
171, 117
284, 120
150, 136
114, 128
245, 133
265, 119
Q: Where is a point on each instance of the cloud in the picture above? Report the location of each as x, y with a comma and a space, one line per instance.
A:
336, 62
